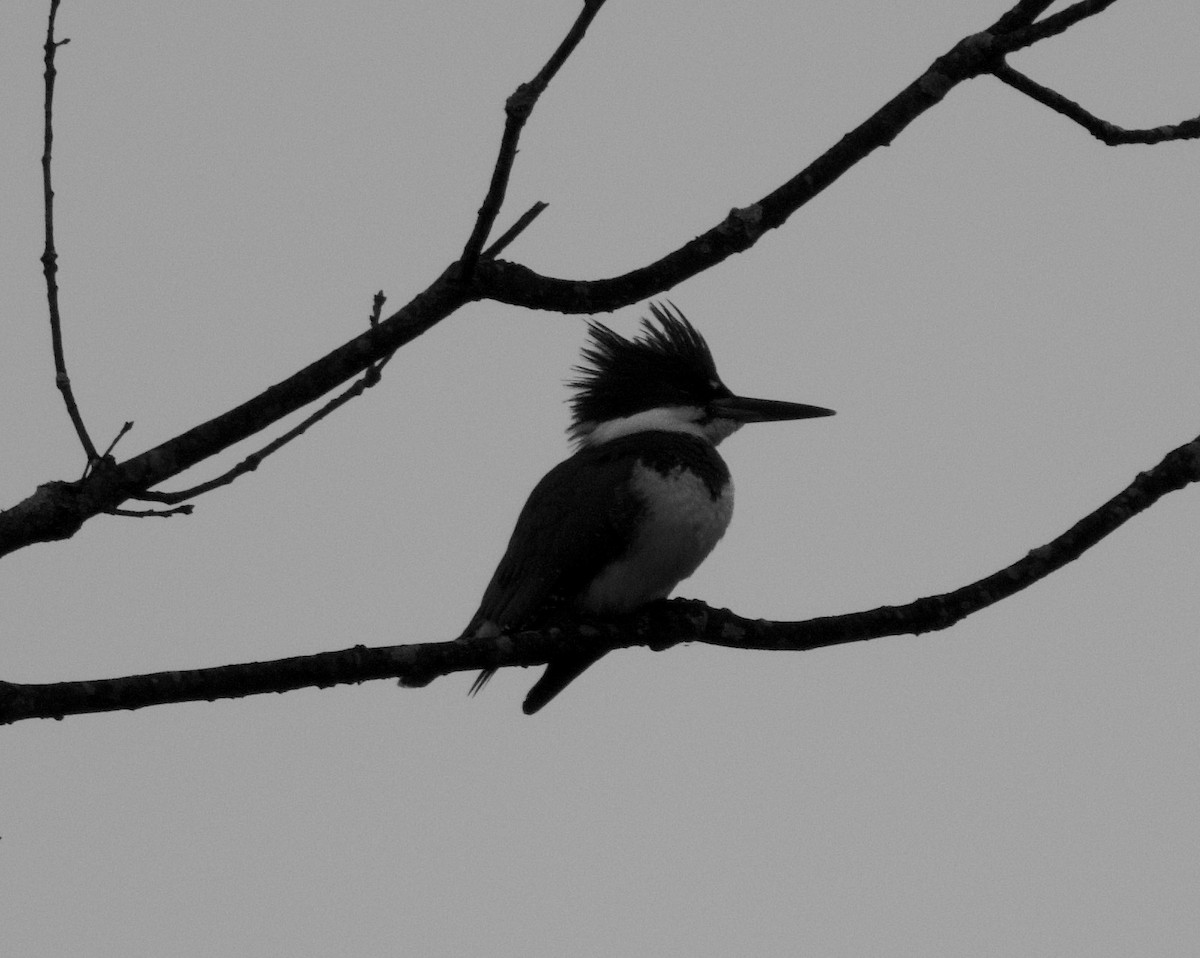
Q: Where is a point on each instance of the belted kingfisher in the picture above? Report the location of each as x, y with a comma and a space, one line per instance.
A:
640, 504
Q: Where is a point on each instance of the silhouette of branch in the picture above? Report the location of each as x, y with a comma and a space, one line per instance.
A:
518, 285
50, 254
153, 513
517, 110
659, 627
1026, 36
1106, 132
515, 230
252, 461
1020, 16
125, 427
57, 509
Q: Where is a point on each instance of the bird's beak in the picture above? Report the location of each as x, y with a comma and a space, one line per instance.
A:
742, 409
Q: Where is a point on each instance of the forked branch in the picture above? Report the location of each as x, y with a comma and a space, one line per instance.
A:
517, 110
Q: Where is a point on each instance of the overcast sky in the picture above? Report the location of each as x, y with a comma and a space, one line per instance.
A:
1002, 310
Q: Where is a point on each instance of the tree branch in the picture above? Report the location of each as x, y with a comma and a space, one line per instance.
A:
254, 460
517, 110
659, 627
1105, 132
519, 227
57, 509
1021, 15
1053, 25
518, 285
50, 254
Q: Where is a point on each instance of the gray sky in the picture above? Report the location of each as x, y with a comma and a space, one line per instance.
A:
1001, 310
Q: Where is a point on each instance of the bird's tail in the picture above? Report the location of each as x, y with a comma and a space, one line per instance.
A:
558, 675
481, 680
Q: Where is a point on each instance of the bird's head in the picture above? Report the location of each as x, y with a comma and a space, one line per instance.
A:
664, 379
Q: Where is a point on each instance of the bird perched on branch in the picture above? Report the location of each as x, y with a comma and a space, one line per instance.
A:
641, 503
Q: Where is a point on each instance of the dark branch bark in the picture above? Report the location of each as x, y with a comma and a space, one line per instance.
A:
1021, 15
1053, 25
517, 111
1105, 132
58, 509
658, 627
370, 378
520, 286
50, 254
509, 235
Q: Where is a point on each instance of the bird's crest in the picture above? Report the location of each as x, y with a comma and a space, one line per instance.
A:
668, 364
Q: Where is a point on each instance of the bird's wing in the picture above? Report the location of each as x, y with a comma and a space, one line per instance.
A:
574, 523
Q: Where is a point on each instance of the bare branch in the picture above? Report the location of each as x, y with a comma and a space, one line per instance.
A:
50, 254
1021, 15
518, 285
517, 110
153, 513
252, 461
125, 427
57, 509
515, 230
1053, 25
1105, 132
660, 626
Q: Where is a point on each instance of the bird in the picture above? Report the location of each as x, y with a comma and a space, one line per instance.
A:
642, 501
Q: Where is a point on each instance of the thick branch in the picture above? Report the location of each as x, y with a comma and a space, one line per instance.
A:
659, 627
518, 285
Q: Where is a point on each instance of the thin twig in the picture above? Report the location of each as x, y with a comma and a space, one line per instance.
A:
105, 459
252, 461
153, 513
376, 309
1104, 131
113, 445
50, 254
517, 110
515, 230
